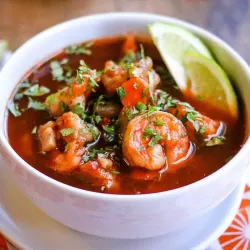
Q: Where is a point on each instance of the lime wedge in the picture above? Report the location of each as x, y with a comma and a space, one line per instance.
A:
3, 47
172, 42
209, 82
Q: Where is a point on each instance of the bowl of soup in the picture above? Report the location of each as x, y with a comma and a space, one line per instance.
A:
98, 135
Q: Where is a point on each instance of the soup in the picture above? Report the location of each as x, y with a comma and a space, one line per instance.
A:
106, 116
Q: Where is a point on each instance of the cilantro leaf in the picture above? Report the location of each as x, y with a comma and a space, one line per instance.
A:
36, 105
51, 99
79, 49
79, 110
36, 90
159, 122
109, 129
67, 131
34, 130
14, 109
121, 92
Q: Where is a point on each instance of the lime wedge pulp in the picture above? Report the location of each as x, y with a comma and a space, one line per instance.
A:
208, 81
172, 42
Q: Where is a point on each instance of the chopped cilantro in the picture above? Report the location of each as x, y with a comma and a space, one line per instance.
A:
191, 116
36, 90
98, 118
153, 108
115, 172
14, 109
121, 92
51, 99
79, 49
63, 107
66, 148
34, 130
92, 83
79, 110
18, 96
60, 71
202, 129
36, 105
154, 140
92, 130
142, 51
153, 135
67, 131
103, 188
140, 106
131, 112
56, 70
215, 140
24, 84
109, 129
159, 122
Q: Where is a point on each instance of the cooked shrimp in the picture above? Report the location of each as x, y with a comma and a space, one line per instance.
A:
194, 121
69, 160
155, 141
113, 76
74, 132
144, 69
81, 131
47, 136
97, 175
64, 98
205, 126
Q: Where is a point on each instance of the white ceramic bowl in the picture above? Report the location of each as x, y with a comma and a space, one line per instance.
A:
119, 216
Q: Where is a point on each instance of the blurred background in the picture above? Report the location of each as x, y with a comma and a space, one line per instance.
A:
229, 19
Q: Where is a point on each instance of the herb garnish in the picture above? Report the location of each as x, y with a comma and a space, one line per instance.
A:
153, 135
141, 106
60, 71
109, 129
34, 130
159, 122
51, 99
36, 90
67, 131
79, 49
215, 140
35, 104
14, 109
79, 110
121, 92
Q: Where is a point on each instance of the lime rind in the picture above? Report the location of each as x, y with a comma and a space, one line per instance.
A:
158, 30
172, 42
192, 58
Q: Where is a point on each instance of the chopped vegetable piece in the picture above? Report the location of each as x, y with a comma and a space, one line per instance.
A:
79, 49
134, 95
36, 105
14, 109
67, 131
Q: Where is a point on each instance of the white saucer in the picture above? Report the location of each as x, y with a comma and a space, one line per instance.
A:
27, 227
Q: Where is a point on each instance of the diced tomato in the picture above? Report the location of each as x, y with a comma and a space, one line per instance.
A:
135, 90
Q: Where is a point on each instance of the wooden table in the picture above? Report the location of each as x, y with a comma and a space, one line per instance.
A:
229, 19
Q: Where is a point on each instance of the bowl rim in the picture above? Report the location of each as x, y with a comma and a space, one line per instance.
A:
121, 197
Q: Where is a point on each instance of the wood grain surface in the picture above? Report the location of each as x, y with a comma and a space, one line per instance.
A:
229, 19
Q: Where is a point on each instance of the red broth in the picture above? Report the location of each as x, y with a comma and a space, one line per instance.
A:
205, 161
